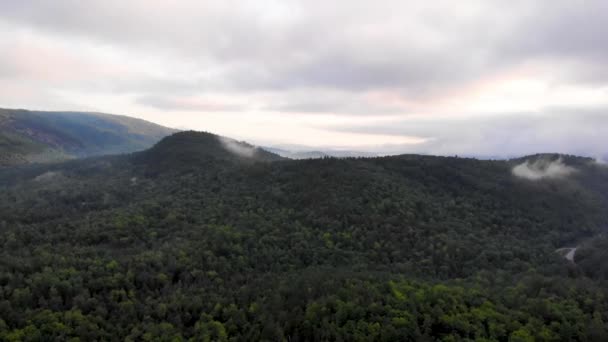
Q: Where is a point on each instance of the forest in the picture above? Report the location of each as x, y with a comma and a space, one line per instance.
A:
192, 241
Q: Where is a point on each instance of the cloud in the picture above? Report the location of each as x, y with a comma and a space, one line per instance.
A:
543, 168
238, 148
187, 104
47, 176
564, 28
481, 76
295, 44
323, 101
568, 130
600, 161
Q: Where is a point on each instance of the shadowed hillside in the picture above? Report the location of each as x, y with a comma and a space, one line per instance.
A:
35, 136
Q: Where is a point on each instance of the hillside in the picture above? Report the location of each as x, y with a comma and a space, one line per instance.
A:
35, 136
207, 238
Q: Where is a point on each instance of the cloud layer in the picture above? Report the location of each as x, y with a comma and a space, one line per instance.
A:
318, 72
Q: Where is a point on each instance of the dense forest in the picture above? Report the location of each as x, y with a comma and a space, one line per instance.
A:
202, 238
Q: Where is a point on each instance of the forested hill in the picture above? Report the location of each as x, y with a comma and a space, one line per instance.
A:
191, 150
36, 136
204, 238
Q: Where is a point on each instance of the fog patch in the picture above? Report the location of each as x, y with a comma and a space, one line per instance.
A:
600, 161
543, 168
47, 176
238, 148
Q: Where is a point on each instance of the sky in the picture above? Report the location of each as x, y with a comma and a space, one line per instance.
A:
483, 78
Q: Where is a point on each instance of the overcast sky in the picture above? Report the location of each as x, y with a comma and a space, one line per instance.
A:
481, 77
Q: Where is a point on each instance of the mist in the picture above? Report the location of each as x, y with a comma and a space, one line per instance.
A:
543, 168
47, 176
600, 161
235, 147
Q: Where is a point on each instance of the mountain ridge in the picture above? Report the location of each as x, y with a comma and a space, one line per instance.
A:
42, 136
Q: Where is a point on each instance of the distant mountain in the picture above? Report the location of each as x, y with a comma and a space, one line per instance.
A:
40, 136
297, 154
316, 154
350, 154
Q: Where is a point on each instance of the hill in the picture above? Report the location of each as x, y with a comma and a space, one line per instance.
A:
192, 149
191, 239
36, 136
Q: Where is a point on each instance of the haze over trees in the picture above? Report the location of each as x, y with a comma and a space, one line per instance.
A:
37, 136
190, 241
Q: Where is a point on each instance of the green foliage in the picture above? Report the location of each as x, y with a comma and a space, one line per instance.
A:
592, 257
185, 242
